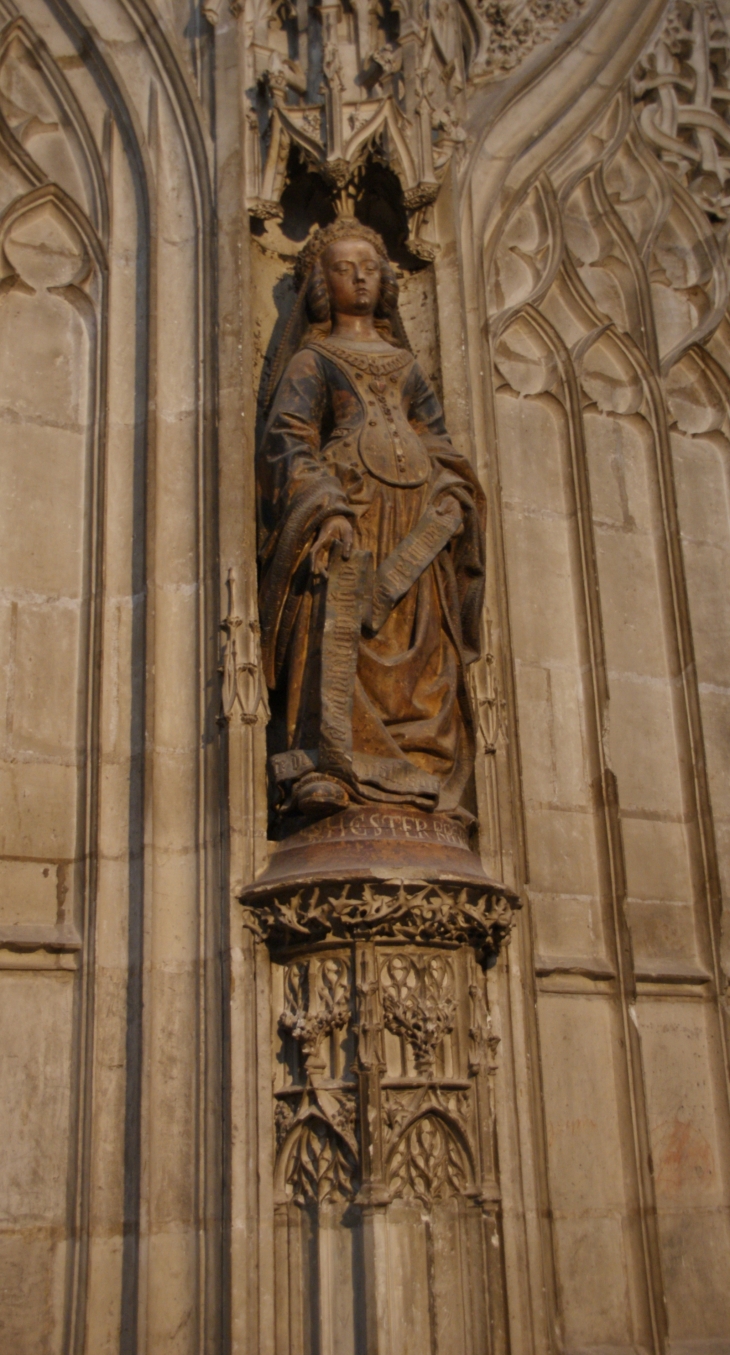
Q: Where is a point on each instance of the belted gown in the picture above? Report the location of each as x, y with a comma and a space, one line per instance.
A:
356, 429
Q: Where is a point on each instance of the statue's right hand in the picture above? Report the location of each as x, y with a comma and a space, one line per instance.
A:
333, 529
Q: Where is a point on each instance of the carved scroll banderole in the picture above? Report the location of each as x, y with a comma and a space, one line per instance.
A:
406, 563
354, 600
349, 586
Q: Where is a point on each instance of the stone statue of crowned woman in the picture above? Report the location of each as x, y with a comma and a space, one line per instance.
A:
371, 553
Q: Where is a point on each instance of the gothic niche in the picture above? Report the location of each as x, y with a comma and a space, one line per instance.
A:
375, 907
343, 83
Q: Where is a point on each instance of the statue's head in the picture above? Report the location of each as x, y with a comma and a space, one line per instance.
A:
345, 264
346, 271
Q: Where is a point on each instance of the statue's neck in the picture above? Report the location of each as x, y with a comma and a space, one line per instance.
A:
360, 328
347, 344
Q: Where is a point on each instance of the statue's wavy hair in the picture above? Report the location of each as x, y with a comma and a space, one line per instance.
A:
313, 305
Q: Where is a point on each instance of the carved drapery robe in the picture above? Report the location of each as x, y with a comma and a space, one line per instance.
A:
357, 430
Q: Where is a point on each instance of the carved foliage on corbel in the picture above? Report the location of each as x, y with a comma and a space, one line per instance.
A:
428, 914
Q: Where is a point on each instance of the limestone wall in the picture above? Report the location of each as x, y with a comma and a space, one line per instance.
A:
553, 184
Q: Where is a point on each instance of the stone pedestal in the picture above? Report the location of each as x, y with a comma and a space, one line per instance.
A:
380, 874
379, 923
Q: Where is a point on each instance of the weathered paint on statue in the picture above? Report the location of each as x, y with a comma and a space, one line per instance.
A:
371, 554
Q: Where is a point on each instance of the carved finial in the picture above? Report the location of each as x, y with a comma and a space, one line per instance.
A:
242, 683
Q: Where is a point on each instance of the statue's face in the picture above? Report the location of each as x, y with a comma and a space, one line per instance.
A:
352, 273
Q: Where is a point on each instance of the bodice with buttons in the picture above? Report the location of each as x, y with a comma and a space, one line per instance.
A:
389, 447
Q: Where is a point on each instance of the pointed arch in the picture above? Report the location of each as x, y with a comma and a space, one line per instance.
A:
71, 118
49, 192
430, 1158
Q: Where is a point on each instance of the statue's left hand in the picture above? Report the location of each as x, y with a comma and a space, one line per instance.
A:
333, 529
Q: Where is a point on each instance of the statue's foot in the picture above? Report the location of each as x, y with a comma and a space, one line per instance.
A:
320, 795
